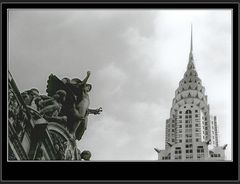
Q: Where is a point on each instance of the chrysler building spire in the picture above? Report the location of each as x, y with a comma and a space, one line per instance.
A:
191, 60
191, 40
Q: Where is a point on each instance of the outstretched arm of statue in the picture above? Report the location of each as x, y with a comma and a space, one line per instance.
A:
86, 78
95, 111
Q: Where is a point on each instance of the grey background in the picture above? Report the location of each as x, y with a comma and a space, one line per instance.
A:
137, 58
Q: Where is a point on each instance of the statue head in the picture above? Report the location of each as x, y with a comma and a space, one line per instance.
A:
62, 95
34, 92
88, 87
26, 97
86, 155
66, 80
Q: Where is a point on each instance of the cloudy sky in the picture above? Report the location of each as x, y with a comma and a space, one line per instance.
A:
137, 58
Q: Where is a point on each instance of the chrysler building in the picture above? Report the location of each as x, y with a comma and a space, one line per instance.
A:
191, 131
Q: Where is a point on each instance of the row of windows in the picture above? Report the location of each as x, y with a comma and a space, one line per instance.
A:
189, 149
189, 156
188, 116
215, 155
188, 111
190, 80
194, 73
189, 140
167, 157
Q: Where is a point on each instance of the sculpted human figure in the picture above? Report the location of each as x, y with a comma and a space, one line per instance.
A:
52, 107
31, 98
76, 105
82, 107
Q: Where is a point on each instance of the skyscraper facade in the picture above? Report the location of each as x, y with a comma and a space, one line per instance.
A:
191, 132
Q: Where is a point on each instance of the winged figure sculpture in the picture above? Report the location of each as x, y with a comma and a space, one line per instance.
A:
76, 103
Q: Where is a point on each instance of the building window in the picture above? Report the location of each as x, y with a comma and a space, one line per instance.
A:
180, 112
188, 140
196, 115
180, 116
188, 146
178, 153
196, 111
197, 140
197, 134
189, 156
200, 152
180, 140
188, 112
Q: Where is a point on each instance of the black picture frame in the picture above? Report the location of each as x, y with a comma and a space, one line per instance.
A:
120, 171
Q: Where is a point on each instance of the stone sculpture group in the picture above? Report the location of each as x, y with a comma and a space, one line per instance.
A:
66, 103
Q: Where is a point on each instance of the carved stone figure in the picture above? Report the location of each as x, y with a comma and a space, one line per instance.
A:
52, 106
17, 115
31, 98
86, 155
71, 150
76, 105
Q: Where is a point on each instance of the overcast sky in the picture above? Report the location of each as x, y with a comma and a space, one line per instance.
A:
137, 58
